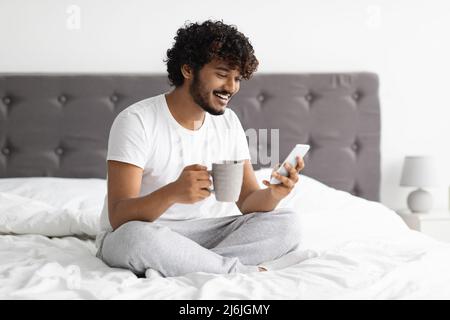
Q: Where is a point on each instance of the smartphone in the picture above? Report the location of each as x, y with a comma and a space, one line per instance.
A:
299, 150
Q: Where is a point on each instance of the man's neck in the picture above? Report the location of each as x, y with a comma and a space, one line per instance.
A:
183, 108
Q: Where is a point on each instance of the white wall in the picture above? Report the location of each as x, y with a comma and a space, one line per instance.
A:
405, 42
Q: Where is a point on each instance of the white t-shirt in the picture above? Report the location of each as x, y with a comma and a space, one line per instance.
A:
147, 135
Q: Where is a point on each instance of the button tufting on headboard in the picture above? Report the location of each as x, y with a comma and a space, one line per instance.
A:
356, 95
309, 97
277, 103
114, 98
6, 100
62, 99
59, 151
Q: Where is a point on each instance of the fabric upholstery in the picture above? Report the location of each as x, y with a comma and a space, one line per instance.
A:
58, 125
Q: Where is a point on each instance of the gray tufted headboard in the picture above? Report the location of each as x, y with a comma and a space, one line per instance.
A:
58, 125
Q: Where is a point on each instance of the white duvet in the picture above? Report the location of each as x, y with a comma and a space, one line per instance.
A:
351, 249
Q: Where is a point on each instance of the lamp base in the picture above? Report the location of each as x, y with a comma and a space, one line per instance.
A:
420, 201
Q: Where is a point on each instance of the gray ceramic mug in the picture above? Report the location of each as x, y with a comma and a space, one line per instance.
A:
227, 180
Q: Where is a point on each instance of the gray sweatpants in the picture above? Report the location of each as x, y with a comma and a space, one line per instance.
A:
215, 245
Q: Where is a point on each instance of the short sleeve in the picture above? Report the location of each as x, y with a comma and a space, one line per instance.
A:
241, 146
128, 140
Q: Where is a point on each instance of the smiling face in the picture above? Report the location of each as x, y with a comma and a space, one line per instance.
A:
213, 86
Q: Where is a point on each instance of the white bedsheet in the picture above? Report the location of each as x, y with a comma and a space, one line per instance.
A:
351, 249
410, 266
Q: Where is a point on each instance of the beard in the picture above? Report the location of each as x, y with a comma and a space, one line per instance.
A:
201, 97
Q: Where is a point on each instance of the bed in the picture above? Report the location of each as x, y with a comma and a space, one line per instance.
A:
53, 141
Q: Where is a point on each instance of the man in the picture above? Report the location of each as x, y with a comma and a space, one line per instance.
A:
159, 213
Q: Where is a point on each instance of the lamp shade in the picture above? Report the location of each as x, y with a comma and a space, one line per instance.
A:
419, 171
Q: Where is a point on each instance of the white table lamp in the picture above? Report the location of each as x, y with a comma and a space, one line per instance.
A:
419, 171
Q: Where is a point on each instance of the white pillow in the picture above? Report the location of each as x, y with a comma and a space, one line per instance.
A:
51, 206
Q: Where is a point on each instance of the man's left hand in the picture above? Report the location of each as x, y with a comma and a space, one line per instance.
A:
279, 191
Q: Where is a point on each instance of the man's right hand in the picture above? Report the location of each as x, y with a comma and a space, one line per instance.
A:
192, 185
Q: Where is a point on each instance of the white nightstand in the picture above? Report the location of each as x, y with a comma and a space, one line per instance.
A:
435, 223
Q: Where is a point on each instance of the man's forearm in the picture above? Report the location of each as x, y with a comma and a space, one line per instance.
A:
146, 208
259, 200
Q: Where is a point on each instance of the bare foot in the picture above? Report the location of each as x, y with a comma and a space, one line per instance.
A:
261, 269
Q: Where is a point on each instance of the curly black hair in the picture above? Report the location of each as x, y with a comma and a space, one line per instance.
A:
198, 44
